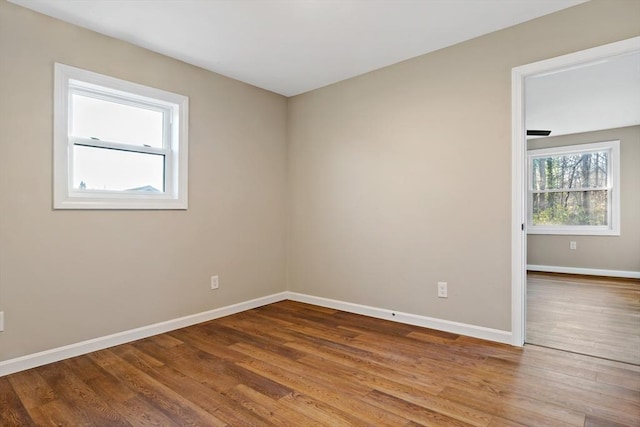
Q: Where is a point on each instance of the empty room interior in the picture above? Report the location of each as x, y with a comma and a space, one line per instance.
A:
320, 213
581, 291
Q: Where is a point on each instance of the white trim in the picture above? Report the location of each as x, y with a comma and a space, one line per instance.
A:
408, 318
56, 354
518, 210
585, 271
518, 157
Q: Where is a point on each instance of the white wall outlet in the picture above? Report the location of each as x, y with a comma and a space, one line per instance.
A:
573, 245
442, 289
215, 284
1, 321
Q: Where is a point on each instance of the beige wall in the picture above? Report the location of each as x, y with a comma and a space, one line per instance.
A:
398, 179
402, 177
68, 276
599, 252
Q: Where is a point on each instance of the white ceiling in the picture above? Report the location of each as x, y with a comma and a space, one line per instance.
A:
601, 95
293, 46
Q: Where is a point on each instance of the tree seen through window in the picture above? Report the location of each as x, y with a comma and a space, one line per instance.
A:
570, 189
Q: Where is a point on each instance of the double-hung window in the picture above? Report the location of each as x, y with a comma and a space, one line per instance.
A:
117, 144
575, 189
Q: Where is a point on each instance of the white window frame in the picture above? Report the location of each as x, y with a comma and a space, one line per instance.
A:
613, 187
70, 80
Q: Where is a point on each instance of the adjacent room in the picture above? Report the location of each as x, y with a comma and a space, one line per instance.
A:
309, 213
584, 246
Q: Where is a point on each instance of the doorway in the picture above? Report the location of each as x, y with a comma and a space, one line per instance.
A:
519, 166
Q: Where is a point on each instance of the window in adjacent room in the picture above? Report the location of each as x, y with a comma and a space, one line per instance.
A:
575, 189
117, 144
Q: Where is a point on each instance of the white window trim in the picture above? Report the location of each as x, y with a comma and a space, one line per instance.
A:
613, 187
175, 196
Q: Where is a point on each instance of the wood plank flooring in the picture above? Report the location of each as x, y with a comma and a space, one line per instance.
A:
597, 316
293, 364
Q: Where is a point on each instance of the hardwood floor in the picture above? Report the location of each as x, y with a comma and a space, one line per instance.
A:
292, 364
597, 316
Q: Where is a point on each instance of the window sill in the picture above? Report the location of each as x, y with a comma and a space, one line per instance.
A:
121, 204
573, 231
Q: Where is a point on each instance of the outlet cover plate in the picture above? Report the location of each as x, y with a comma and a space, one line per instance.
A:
442, 289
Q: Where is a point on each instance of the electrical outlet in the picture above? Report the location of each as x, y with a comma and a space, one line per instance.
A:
215, 284
573, 245
442, 289
1, 321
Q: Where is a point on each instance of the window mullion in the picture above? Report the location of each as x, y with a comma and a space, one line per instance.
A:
90, 142
569, 190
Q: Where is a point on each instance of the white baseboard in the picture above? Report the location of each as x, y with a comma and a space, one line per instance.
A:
408, 318
585, 271
56, 354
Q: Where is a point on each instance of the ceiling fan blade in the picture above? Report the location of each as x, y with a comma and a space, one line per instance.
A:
535, 132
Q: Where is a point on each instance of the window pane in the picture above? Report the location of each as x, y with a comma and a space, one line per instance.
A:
570, 208
585, 170
112, 121
104, 169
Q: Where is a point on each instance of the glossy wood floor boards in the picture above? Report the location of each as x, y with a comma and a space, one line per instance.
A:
293, 364
597, 316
